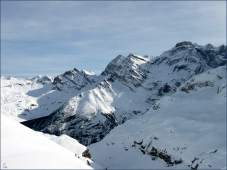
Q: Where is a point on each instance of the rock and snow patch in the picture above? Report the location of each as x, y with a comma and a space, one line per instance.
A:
189, 128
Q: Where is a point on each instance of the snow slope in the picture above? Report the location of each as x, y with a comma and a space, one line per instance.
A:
190, 125
22, 148
26, 99
73, 146
14, 100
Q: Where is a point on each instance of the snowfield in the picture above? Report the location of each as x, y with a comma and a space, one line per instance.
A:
75, 147
23, 148
25, 99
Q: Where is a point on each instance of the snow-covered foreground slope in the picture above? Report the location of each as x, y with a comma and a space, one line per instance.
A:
190, 127
75, 147
22, 148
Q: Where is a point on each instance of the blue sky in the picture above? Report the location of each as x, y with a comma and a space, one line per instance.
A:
54, 36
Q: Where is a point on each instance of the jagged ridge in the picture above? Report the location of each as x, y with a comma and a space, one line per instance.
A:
129, 86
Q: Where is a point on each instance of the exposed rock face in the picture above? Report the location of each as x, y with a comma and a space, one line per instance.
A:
128, 69
188, 56
86, 130
42, 79
73, 79
128, 87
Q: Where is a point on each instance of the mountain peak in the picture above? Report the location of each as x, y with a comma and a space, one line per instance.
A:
42, 79
127, 69
71, 79
89, 73
137, 58
184, 43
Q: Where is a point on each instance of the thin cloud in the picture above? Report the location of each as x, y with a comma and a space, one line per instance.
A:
95, 32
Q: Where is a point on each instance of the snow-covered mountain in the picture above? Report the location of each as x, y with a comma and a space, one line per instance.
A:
187, 132
42, 79
25, 99
162, 112
128, 87
73, 79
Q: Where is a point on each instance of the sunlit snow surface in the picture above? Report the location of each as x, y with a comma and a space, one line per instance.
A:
23, 148
188, 125
24, 99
